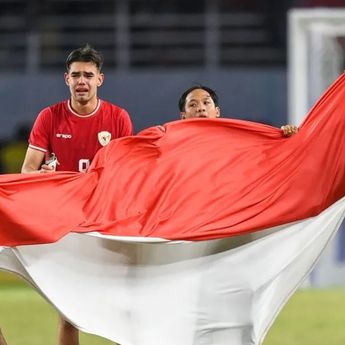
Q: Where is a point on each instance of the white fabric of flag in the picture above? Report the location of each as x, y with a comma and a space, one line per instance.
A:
149, 291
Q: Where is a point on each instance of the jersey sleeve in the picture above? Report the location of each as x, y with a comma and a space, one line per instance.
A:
39, 136
125, 124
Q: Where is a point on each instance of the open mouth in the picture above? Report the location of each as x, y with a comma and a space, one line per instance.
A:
81, 90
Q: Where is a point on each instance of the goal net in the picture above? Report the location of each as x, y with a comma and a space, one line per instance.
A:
315, 59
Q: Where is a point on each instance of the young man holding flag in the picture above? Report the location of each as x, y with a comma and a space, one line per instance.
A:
74, 130
202, 102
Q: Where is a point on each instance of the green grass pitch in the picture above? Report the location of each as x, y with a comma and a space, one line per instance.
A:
311, 317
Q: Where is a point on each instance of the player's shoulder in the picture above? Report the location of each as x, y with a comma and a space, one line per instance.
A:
110, 106
112, 109
57, 107
54, 112
54, 109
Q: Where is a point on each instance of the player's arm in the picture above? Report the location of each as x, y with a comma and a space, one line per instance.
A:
33, 162
2, 339
126, 125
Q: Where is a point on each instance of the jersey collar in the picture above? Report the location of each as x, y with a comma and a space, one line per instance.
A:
87, 115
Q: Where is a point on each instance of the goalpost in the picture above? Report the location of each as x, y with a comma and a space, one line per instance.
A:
315, 56
315, 59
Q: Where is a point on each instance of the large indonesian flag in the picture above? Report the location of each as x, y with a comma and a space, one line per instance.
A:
197, 231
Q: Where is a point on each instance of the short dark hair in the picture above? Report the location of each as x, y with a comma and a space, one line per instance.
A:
212, 93
85, 54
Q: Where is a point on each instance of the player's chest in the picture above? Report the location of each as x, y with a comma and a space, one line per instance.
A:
82, 133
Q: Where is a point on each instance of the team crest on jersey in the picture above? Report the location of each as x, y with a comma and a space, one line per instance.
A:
104, 137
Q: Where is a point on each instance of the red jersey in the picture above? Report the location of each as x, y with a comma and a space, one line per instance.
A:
75, 139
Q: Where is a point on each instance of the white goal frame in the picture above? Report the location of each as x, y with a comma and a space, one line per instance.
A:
329, 23
315, 60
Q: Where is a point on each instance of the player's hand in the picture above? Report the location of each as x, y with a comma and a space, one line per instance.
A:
289, 130
45, 168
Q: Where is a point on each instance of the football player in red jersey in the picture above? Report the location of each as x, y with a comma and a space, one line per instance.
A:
75, 129
72, 131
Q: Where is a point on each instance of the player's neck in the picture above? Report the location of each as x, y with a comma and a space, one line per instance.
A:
84, 108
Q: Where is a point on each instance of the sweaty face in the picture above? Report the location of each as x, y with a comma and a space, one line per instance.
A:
199, 104
83, 79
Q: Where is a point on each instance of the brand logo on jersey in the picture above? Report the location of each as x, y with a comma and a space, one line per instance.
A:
63, 136
104, 137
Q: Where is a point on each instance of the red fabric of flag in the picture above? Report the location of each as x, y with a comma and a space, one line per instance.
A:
190, 180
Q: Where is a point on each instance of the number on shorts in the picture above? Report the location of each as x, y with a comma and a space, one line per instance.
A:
83, 164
